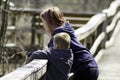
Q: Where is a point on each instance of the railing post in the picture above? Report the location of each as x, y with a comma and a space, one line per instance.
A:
13, 25
3, 29
32, 30
105, 23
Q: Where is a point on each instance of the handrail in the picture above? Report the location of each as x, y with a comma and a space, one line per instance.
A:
90, 27
112, 25
112, 9
108, 43
102, 35
96, 20
31, 71
94, 23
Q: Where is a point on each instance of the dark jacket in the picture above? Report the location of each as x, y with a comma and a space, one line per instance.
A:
82, 56
59, 62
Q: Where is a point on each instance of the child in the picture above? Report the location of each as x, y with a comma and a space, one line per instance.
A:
60, 58
84, 65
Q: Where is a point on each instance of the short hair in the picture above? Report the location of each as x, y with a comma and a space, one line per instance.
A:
62, 40
54, 17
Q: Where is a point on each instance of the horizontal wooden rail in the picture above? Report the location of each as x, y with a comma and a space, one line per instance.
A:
108, 43
90, 27
79, 14
112, 25
102, 35
31, 71
112, 9
80, 18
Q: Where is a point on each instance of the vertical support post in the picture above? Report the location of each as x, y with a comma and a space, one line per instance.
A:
85, 42
32, 30
14, 26
13, 20
105, 23
88, 42
0, 2
2, 35
39, 35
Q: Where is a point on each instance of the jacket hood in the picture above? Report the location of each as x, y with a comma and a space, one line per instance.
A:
66, 27
65, 53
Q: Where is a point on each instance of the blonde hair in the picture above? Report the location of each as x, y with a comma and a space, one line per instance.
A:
62, 40
54, 18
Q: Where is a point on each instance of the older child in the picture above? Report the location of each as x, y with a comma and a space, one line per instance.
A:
84, 66
59, 58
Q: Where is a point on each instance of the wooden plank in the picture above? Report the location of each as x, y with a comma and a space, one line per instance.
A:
114, 21
109, 65
31, 71
90, 27
79, 14
11, 28
112, 9
102, 35
32, 10
97, 43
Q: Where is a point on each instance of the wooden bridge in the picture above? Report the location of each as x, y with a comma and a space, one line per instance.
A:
99, 32
109, 64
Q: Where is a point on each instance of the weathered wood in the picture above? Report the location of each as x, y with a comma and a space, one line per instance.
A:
11, 28
112, 9
102, 35
113, 37
77, 20
94, 23
109, 65
31, 71
108, 43
10, 45
112, 25
90, 27
96, 20
79, 14
97, 43
32, 10
74, 18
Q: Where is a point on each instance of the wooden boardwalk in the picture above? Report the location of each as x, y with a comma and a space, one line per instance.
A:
109, 65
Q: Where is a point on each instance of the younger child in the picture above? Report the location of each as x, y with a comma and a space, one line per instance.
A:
60, 58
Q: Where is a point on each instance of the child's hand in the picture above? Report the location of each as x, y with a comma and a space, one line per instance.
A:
27, 61
45, 48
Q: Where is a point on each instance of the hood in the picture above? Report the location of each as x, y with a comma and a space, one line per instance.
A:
66, 27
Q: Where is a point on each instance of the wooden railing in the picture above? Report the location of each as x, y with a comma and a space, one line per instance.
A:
98, 30
97, 34
77, 20
31, 71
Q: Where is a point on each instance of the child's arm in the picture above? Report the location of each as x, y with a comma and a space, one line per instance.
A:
40, 54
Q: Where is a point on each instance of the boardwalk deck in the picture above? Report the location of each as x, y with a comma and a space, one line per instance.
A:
109, 65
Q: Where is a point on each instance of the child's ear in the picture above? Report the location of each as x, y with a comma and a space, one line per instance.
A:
55, 46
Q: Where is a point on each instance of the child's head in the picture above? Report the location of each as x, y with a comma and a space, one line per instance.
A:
62, 41
52, 18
